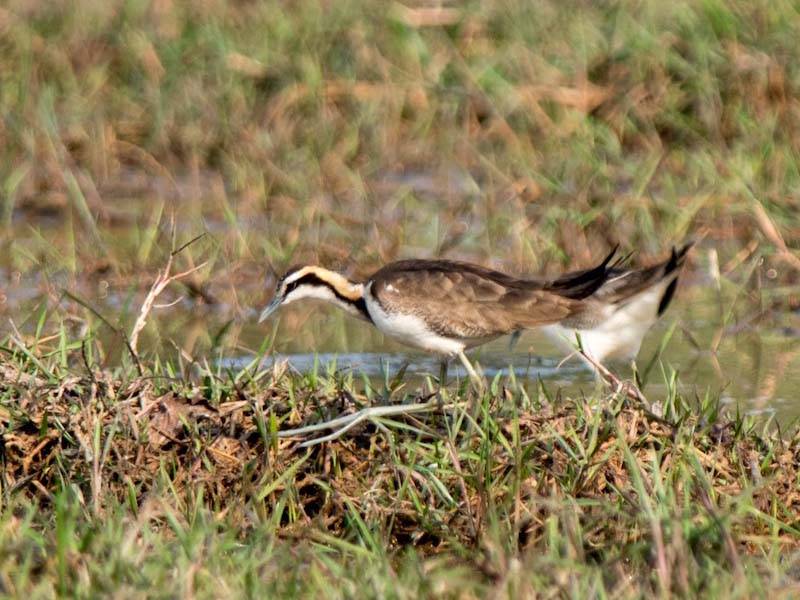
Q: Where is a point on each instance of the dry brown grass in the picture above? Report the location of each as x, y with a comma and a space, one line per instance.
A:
113, 439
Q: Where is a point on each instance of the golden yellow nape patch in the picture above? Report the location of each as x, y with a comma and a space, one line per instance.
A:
345, 288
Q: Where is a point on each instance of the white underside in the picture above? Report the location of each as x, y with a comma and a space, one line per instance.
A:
621, 333
409, 329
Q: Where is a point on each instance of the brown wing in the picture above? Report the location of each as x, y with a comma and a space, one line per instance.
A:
467, 301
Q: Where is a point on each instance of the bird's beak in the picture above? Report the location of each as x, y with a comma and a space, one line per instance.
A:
271, 308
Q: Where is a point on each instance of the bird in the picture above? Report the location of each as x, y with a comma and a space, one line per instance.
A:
446, 307
624, 307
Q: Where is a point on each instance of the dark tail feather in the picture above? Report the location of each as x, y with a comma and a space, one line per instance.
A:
678, 256
675, 262
620, 262
667, 297
583, 283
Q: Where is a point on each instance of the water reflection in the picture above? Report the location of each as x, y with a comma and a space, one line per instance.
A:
378, 364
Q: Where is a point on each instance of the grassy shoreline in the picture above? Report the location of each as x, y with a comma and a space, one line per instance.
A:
112, 483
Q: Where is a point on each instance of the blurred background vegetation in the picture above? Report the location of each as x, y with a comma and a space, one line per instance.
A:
530, 136
361, 130
526, 135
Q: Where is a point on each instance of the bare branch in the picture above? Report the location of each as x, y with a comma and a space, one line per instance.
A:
163, 279
342, 424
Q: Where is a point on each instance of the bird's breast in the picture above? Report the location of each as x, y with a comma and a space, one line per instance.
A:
409, 328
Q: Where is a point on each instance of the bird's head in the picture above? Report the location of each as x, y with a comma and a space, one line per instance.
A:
314, 282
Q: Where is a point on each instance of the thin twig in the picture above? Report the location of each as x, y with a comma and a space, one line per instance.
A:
343, 424
86, 363
163, 279
182, 247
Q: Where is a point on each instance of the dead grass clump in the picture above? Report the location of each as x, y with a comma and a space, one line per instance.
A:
423, 481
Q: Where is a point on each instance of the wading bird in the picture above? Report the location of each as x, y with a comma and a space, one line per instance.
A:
446, 307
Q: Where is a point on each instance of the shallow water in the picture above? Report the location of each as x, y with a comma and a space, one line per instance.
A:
492, 361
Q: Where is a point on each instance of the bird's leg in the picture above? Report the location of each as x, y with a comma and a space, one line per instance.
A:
477, 381
442, 381
616, 384
474, 405
442, 373
514, 338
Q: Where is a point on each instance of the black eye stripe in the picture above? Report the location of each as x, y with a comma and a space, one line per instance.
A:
309, 279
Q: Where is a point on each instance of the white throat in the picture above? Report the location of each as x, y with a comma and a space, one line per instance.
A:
323, 292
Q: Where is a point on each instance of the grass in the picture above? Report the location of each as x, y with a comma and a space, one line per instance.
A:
161, 485
528, 136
